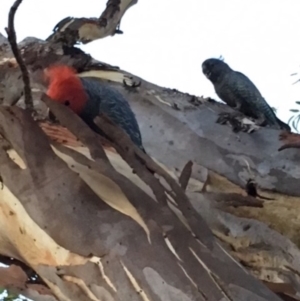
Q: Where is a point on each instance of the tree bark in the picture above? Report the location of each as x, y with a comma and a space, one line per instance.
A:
74, 212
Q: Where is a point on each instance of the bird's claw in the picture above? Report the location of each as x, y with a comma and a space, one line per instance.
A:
225, 118
238, 122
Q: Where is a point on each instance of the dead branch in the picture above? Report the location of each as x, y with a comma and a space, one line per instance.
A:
71, 31
11, 35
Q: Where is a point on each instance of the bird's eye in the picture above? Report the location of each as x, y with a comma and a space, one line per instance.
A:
67, 103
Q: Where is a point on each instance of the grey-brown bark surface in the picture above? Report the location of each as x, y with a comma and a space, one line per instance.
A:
93, 230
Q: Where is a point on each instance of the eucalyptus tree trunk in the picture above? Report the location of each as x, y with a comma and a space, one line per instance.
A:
93, 223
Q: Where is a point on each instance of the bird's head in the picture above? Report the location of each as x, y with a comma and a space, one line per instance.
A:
66, 87
214, 68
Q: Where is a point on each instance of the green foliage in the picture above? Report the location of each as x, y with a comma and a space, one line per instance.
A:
10, 297
295, 119
5, 295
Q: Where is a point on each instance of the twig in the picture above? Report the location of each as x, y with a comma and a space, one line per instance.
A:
297, 81
12, 39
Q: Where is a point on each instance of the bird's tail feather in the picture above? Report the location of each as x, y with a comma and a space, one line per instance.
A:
283, 125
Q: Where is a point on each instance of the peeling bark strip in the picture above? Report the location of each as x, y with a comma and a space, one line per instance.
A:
186, 174
123, 246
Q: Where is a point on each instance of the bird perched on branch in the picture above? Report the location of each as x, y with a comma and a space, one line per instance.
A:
238, 92
88, 97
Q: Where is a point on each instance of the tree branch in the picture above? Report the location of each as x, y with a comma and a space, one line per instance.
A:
11, 35
71, 31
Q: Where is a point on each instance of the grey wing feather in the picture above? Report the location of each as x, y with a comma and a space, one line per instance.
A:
246, 93
112, 103
227, 93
